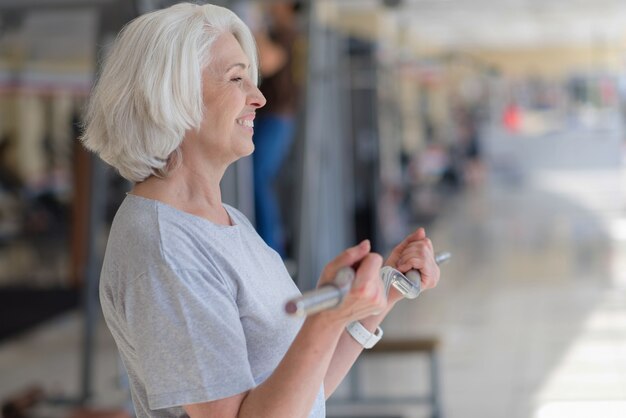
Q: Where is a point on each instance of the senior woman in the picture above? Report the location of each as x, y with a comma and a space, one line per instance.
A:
192, 295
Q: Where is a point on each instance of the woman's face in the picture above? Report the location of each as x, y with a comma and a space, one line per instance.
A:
231, 99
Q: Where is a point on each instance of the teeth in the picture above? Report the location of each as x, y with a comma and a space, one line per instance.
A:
247, 123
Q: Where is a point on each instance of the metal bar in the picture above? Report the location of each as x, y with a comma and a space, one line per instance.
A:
434, 385
324, 297
90, 286
331, 295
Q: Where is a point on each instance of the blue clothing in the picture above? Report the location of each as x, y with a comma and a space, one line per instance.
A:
273, 135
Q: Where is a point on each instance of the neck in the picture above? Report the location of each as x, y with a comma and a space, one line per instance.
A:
192, 191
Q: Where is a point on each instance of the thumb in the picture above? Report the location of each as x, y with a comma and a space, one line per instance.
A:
418, 234
348, 257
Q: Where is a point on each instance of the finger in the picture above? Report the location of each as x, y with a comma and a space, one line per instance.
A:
348, 257
430, 277
419, 246
370, 267
428, 269
430, 281
416, 238
411, 263
367, 282
419, 253
418, 234
418, 243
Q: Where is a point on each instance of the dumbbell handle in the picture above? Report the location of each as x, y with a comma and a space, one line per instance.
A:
331, 295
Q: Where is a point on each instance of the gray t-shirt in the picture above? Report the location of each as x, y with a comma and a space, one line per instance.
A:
196, 308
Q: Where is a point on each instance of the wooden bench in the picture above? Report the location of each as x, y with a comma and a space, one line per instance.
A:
395, 347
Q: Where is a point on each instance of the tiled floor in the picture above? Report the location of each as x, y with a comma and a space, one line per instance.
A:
531, 311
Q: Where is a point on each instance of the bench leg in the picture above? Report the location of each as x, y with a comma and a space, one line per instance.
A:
434, 386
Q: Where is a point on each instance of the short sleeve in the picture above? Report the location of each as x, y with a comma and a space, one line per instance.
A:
188, 338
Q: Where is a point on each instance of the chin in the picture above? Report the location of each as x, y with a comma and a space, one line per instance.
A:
248, 150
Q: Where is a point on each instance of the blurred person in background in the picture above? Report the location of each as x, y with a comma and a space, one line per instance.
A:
468, 120
275, 122
192, 295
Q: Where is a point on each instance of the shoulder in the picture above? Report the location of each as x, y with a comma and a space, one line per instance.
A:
134, 224
147, 232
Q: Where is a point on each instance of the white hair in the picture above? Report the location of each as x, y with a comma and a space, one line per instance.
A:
150, 88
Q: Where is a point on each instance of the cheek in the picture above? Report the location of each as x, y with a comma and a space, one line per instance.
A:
222, 109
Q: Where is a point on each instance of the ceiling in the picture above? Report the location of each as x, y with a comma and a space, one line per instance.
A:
463, 23
502, 23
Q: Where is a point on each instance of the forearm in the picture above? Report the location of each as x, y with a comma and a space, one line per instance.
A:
291, 390
346, 353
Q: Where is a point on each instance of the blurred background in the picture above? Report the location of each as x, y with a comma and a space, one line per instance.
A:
498, 125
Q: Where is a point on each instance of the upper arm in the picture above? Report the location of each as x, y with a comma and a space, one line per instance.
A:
223, 408
186, 323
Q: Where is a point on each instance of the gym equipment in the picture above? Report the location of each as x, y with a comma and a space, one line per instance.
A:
331, 294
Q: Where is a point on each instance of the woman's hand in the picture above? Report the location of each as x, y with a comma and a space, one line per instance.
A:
414, 253
367, 294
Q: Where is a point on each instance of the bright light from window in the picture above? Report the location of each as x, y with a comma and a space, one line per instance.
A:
583, 409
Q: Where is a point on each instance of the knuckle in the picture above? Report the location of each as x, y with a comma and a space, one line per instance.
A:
373, 292
414, 261
327, 275
360, 291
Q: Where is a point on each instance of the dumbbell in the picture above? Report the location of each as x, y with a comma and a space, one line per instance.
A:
331, 294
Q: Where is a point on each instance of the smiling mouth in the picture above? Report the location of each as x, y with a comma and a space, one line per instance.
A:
246, 123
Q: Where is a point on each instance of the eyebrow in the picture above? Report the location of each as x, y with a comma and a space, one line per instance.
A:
238, 64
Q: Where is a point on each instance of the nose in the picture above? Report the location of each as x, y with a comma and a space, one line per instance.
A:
256, 98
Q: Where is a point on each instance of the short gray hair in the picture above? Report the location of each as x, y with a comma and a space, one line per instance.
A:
150, 88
